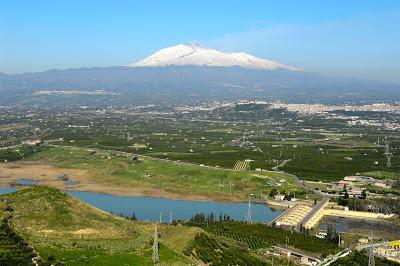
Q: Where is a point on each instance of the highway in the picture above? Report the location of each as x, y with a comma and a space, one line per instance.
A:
276, 168
332, 258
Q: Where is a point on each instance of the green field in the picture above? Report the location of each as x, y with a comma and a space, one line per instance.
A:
219, 251
15, 154
261, 236
316, 144
335, 164
171, 177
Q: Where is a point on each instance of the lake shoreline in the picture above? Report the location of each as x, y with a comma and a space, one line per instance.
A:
48, 175
153, 209
136, 192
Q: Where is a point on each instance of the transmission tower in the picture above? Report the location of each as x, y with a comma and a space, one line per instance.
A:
388, 154
155, 256
242, 143
248, 214
371, 259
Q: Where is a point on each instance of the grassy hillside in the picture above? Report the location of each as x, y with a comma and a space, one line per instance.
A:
118, 171
13, 249
61, 228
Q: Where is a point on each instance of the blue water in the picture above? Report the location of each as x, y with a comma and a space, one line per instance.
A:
339, 227
26, 182
66, 180
70, 183
148, 208
342, 224
5, 190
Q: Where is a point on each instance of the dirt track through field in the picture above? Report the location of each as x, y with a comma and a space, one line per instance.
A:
49, 175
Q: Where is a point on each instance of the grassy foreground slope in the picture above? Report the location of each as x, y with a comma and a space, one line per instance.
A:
63, 229
13, 249
146, 173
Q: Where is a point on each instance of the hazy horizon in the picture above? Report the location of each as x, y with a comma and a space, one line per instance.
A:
348, 39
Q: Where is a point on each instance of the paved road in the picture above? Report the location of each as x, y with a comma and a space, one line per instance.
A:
332, 258
276, 168
307, 187
11, 147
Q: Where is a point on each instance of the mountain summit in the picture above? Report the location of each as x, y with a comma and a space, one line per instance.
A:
190, 54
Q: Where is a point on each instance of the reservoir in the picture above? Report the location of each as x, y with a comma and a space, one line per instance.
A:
5, 190
149, 208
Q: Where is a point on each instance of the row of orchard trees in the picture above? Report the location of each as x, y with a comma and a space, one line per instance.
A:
210, 218
386, 206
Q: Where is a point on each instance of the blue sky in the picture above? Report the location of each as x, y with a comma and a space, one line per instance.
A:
358, 38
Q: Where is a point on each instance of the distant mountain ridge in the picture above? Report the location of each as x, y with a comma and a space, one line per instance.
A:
193, 73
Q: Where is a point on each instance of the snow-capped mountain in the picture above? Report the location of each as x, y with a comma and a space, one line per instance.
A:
192, 73
190, 54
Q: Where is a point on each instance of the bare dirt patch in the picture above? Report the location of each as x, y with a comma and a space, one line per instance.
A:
86, 180
44, 173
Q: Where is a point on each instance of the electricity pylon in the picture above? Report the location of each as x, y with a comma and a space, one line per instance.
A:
155, 256
248, 214
371, 259
388, 154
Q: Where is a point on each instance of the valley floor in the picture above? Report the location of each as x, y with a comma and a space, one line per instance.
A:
118, 174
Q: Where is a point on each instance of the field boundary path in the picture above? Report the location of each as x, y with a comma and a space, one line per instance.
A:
276, 168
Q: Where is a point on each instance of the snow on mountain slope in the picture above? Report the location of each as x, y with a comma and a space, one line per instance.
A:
189, 54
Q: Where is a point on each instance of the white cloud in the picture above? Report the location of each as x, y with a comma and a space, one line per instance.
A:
366, 46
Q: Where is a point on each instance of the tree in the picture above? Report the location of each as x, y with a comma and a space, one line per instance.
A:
273, 192
397, 184
363, 194
331, 234
210, 218
346, 195
198, 218
329, 231
289, 196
